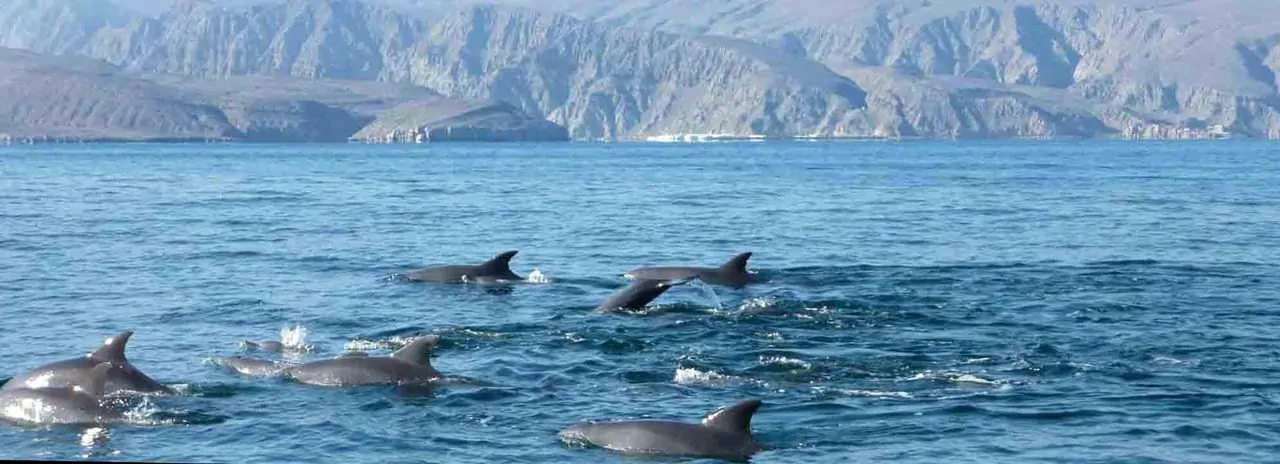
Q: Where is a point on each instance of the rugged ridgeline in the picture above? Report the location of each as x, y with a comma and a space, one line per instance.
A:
46, 98
631, 68
1160, 68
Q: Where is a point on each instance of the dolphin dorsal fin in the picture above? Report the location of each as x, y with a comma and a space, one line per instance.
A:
736, 418
500, 264
95, 381
737, 263
112, 349
418, 351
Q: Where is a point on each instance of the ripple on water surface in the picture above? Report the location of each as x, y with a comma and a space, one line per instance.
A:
1018, 302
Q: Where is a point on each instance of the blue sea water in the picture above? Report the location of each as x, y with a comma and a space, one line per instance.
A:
925, 302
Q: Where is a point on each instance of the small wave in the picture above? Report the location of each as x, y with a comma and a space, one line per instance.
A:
1172, 361
758, 304
775, 336
959, 378
466, 332
863, 393
785, 361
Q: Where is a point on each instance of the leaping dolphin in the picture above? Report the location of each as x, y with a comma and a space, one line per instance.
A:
123, 376
409, 365
732, 273
639, 293
498, 268
78, 403
724, 434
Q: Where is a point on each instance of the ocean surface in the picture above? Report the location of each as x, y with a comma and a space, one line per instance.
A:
924, 302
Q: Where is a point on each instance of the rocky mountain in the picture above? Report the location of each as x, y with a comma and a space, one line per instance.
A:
55, 97
45, 97
633, 68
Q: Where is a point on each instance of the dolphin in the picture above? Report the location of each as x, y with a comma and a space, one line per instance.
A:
252, 366
264, 367
724, 434
408, 365
732, 273
122, 377
78, 403
266, 345
639, 293
498, 268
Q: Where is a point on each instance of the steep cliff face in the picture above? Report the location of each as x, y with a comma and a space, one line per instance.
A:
628, 68
1195, 62
618, 82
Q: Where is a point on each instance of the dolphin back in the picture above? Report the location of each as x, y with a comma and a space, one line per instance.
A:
80, 403
359, 370
449, 273
636, 295
673, 273
661, 437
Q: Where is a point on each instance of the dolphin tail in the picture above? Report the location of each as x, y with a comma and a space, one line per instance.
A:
736, 418
500, 264
419, 350
112, 349
737, 264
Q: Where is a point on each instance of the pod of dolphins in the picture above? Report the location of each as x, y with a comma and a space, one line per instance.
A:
77, 390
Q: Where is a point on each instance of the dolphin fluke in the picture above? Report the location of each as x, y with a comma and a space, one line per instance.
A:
418, 351
736, 418
112, 349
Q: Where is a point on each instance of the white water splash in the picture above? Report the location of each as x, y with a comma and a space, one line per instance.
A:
689, 375
959, 378
758, 303
93, 436
785, 361
864, 393
537, 277
876, 394
393, 343
709, 291
294, 338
